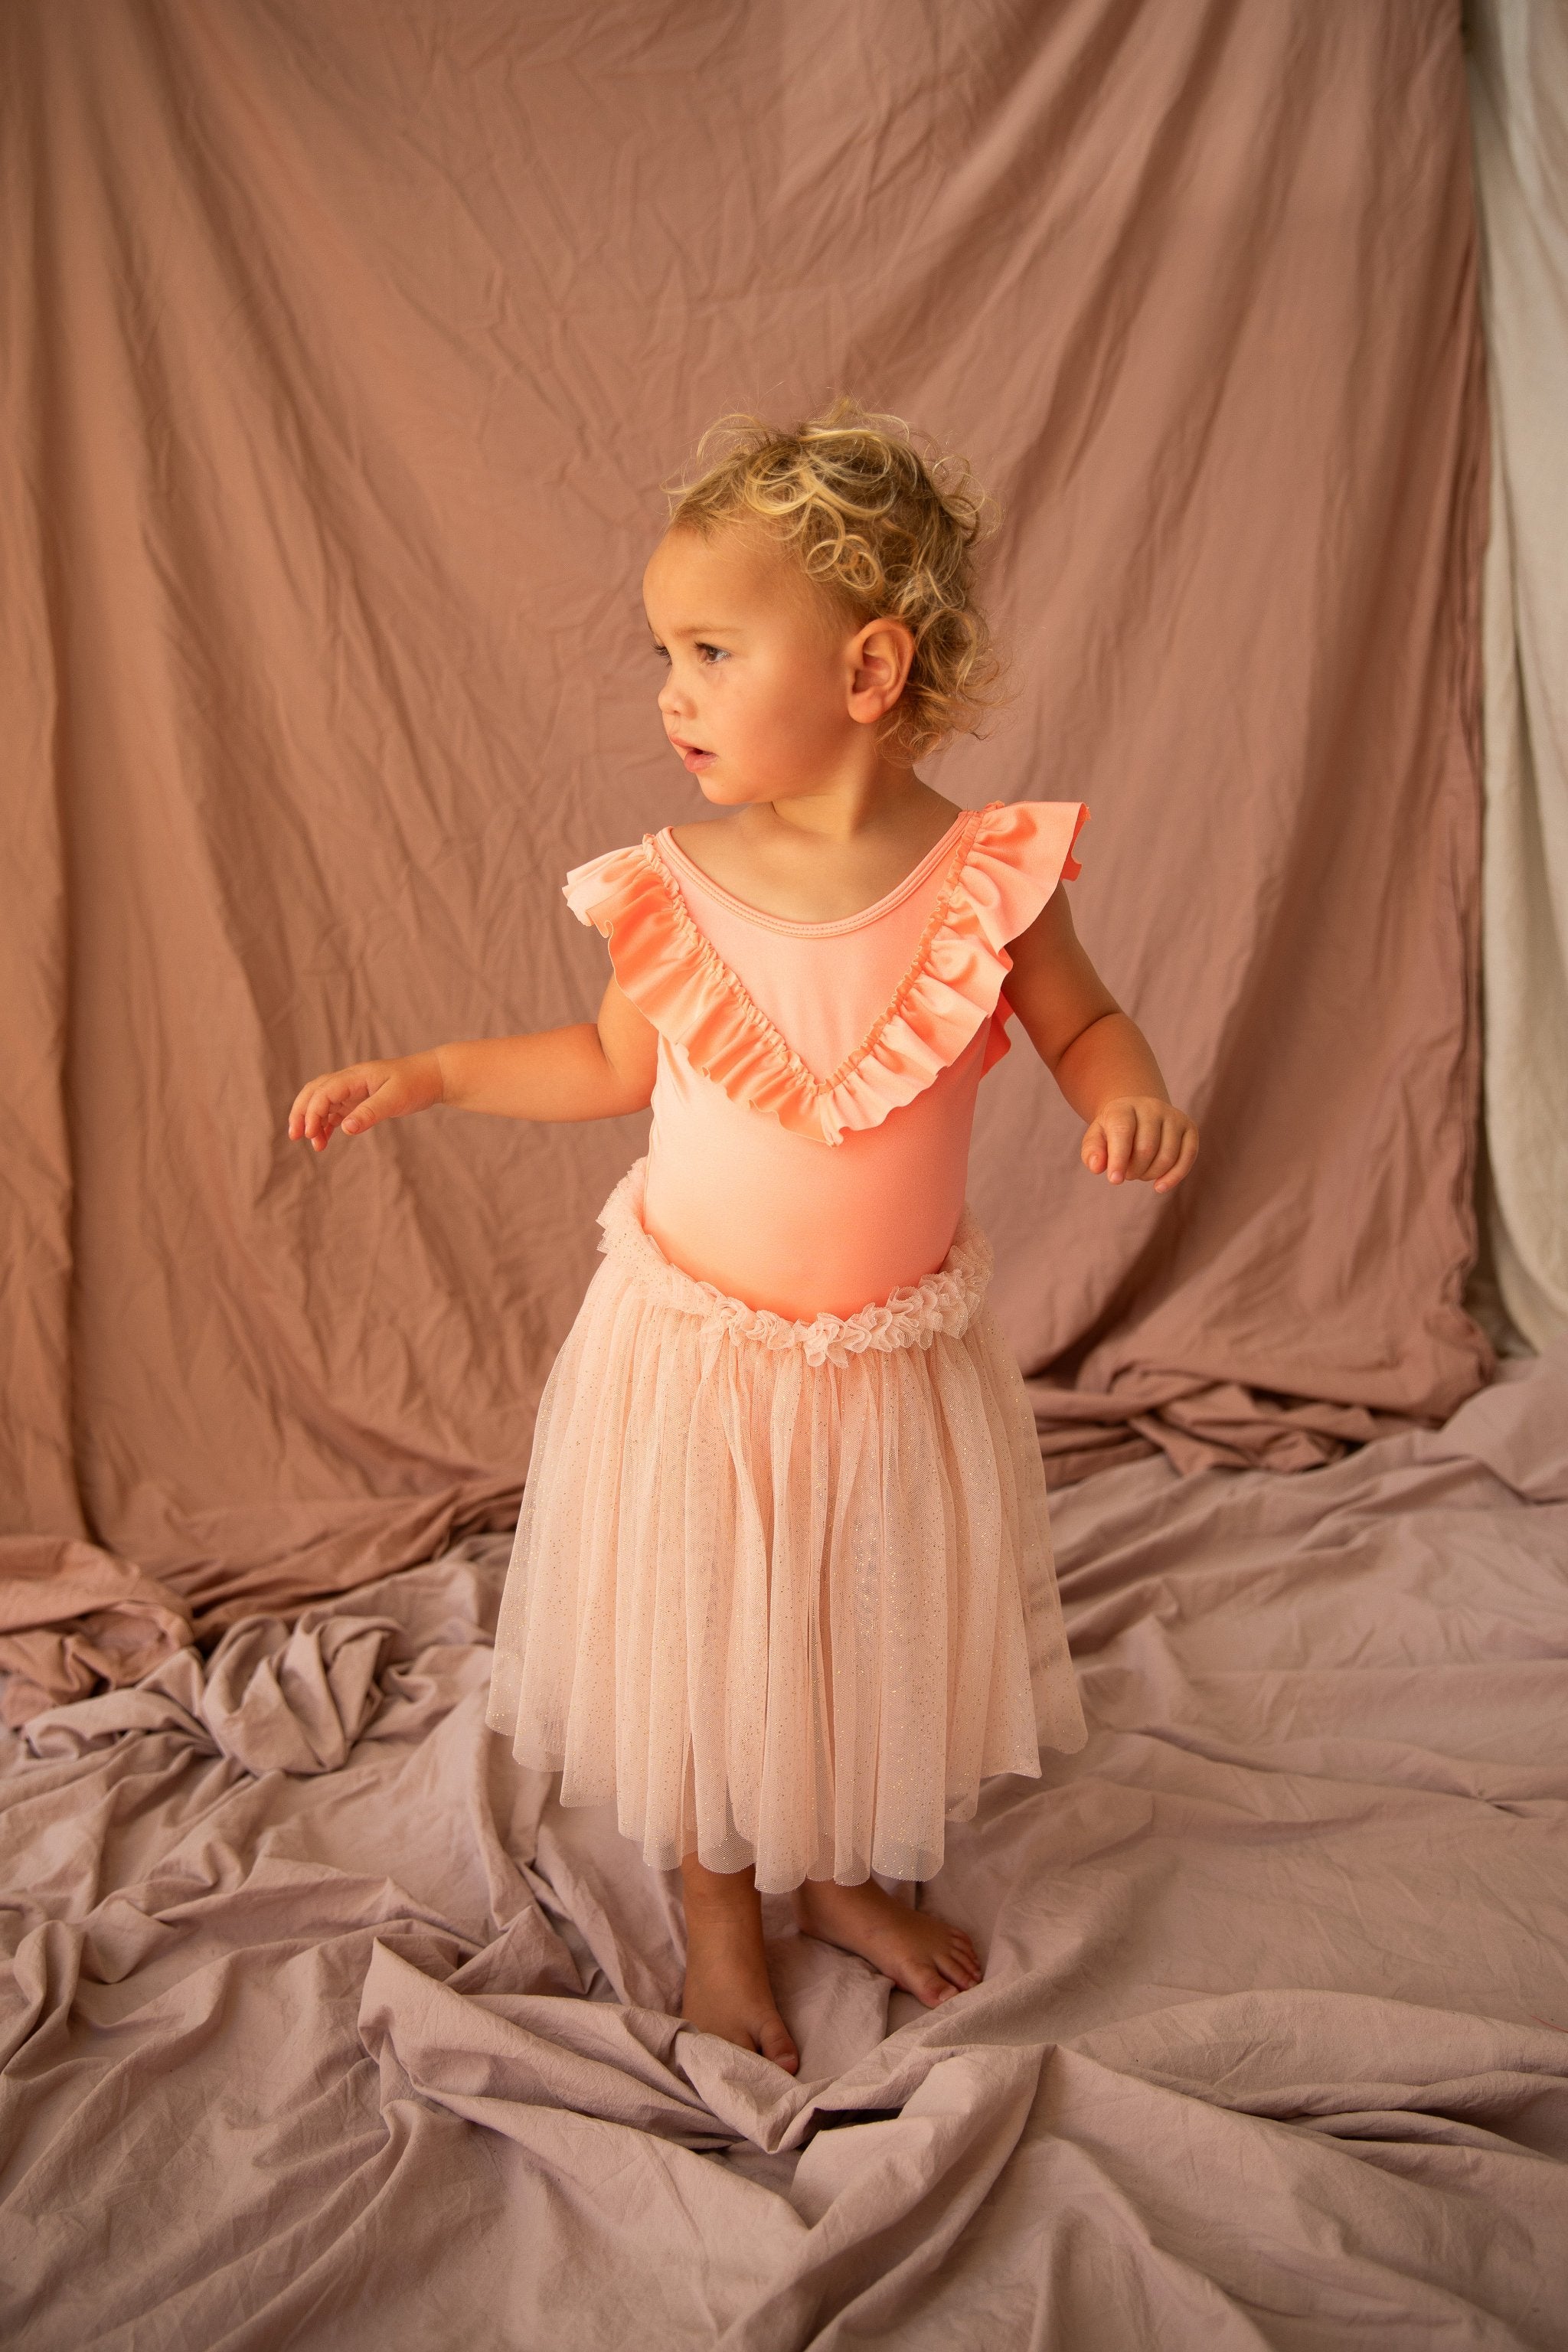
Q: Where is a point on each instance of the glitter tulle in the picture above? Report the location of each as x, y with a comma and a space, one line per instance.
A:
782, 1592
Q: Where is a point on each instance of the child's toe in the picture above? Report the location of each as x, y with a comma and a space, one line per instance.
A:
928, 1984
777, 2045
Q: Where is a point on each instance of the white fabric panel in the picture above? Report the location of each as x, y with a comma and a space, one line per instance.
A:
1518, 93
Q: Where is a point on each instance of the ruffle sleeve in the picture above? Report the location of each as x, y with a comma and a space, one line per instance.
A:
1020, 859
1006, 863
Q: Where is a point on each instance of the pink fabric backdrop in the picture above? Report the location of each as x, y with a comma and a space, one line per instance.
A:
344, 350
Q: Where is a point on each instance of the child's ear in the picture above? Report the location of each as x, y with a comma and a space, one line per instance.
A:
880, 656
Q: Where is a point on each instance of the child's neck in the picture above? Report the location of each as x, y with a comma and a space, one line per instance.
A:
889, 804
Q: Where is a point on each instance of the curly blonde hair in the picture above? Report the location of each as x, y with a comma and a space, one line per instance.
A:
888, 533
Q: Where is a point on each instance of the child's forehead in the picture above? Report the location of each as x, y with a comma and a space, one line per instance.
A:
698, 579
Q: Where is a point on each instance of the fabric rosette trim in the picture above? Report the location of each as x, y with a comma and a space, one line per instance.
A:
909, 1316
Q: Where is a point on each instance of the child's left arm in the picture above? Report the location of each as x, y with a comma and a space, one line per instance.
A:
1098, 1057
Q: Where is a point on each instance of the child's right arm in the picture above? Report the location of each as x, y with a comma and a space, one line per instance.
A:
590, 1070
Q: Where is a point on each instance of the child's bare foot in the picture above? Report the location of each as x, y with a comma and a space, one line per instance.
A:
924, 1955
728, 1990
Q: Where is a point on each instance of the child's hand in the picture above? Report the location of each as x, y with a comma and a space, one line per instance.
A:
363, 1096
1140, 1136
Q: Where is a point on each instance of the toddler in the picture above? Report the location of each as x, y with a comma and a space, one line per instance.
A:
781, 1586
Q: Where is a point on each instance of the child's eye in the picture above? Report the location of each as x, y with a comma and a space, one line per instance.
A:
717, 653
661, 653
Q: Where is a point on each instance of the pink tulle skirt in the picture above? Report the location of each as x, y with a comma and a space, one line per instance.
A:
782, 1592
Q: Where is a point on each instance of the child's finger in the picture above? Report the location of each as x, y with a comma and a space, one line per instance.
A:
330, 1099
1092, 1151
312, 1113
383, 1102
1164, 1160
1184, 1159
299, 1109
317, 1125
1145, 1145
1121, 1134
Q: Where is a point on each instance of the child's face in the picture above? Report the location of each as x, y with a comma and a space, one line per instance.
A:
761, 697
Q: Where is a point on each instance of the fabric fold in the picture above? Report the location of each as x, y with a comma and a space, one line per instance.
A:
274, 1698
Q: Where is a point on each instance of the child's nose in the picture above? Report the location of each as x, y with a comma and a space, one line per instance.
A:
671, 699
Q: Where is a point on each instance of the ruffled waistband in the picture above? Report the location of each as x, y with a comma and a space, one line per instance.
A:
909, 1316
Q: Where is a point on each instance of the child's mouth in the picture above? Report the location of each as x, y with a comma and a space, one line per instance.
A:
694, 758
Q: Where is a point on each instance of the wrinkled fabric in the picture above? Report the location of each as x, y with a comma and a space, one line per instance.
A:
73, 1619
344, 351
1272, 2047
277, 1698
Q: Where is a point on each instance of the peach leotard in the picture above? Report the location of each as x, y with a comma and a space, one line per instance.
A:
861, 1041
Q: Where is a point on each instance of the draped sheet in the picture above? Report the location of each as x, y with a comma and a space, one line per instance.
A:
1518, 85
328, 2028
344, 350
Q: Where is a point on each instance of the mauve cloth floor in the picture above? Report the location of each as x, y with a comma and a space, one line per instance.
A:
328, 2027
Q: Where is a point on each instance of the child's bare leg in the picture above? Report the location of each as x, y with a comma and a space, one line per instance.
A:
923, 1954
728, 1990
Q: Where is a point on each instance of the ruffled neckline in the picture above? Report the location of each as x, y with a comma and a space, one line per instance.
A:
666, 847
1006, 861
